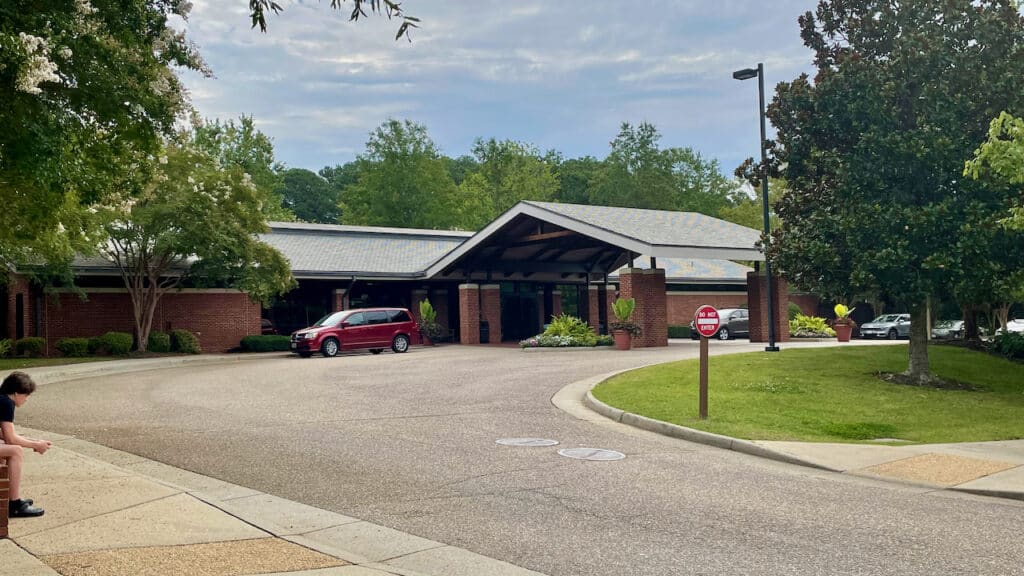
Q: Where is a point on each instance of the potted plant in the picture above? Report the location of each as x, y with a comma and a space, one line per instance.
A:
430, 330
623, 330
843, 324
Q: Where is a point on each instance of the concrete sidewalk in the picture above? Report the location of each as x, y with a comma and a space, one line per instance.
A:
111, 513
984, 468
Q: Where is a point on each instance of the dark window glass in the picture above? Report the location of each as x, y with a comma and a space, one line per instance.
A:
398, 316
376, 317
357, 319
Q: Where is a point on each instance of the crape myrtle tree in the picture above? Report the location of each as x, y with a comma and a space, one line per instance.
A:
87, 90
193, 222
873, 149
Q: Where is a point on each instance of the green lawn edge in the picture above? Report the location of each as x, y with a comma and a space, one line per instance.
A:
831, 395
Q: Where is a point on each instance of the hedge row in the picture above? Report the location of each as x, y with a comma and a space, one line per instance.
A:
269, 343
119, 344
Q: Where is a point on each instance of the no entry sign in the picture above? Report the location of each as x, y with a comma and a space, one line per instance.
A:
706, 321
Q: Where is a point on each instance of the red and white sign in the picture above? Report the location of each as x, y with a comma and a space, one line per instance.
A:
706, 320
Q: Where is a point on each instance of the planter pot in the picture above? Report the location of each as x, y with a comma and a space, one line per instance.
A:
843, 331
623, 339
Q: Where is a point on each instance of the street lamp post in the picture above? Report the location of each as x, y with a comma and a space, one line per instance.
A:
747, 74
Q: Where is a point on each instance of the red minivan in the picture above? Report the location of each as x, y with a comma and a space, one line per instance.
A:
363, 328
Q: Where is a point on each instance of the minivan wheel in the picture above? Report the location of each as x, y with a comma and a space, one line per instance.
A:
400, 343
893, 334
329, 348
723, 334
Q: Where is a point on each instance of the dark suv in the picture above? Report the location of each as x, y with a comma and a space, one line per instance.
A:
363, 328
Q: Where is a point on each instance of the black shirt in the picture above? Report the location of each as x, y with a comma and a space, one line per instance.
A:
6, 408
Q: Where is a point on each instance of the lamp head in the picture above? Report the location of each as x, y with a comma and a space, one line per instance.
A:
745, 74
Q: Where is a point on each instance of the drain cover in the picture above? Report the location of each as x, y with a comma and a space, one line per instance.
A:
526, 442
599, 454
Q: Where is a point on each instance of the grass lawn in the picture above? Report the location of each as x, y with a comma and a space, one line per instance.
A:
19, 363
831, 395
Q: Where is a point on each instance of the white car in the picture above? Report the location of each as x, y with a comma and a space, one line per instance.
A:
1016, 325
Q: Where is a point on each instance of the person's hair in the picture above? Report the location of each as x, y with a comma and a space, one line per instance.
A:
18, 383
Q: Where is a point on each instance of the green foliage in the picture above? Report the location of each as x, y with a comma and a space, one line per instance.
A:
6, 347
112, 343
159, 342
873, 151
675, 331
428, 322
73, 347
508, 171
1002, 156
391, 8
197, 221
792, 311
427, 312
810, 327
311, 197
185, 342
268, 343
32, 346
1010, 344
84, 96
571, 329
623, 309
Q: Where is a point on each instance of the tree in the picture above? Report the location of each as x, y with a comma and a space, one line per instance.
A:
873, 149
242, 146
1002, 156
576, 177
511, 171
195, 222
86, 93
309, 196
700, 185
258, 9
637, 174
748, 209
403, 181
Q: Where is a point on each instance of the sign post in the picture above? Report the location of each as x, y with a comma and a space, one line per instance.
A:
707, 322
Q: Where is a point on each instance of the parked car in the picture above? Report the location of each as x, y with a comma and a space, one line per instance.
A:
267, 327
891, 326
733, 322
1016, 325
364, 328
948, 330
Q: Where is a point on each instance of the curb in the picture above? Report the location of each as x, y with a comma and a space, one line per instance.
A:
68, 372
691, 435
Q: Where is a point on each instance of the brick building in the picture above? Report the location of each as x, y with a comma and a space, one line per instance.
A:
499, 284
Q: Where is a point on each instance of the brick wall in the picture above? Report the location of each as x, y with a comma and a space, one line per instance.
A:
469, 313
492, 310
757, 299
219, 318
808, 304
594, 318
683, 305
339, 299
20, 285
648, 287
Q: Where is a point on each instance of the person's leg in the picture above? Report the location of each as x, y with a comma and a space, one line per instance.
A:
13, 456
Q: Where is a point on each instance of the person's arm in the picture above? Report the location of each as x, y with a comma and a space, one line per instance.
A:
12, 437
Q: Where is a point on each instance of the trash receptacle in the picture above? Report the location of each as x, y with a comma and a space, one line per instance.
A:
485, 332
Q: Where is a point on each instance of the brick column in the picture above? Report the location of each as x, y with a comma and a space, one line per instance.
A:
648, 288
757, 303
594, 316
5, 497
339, 299
492, 310
469, 313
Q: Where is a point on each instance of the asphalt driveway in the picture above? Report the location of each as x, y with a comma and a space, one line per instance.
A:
408, 441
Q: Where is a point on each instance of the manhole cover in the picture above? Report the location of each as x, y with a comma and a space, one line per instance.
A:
526, 442
592, 454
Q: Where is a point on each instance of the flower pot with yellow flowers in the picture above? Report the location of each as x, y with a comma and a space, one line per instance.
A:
843, 324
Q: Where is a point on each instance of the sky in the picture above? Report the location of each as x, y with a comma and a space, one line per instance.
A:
557, 75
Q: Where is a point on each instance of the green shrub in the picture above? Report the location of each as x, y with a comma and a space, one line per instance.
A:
73, 347
33, 347
116, 343
605, 340
793, 311
159, 342
1010, 344
6, 347
185, 342
573, 328
268, 343
810, 327
678, 331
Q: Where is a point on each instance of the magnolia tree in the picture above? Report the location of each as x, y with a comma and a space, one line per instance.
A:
194, 223
873, 151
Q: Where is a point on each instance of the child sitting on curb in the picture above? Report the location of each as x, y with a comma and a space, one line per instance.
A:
14, 392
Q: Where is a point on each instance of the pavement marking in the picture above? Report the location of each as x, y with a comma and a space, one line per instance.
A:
210, 559
941, 469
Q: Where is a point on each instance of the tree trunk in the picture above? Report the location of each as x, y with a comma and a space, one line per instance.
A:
970, 316
919, 370
1002, 313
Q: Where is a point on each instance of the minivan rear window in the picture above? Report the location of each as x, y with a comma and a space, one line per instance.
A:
398, 316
